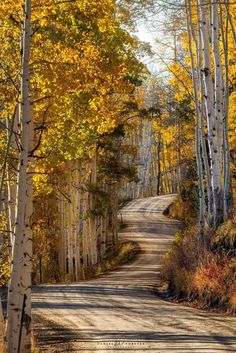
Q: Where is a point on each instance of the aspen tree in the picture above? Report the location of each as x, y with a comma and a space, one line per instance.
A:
69, 221
218, 107
211, 96
159, 163
198, 124
213, 101
77, 220
198, 47
228, 193
28, 252
11, 184
64, 234
61, 233
18, 317
92, 205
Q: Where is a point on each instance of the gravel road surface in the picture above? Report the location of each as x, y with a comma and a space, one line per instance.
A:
120, 312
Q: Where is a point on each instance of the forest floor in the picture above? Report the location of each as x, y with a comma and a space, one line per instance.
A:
120, 311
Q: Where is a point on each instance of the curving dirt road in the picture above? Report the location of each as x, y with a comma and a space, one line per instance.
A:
119, 311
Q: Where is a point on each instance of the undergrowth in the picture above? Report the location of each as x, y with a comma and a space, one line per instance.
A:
203, 276
126, 252
185, 205
206, 276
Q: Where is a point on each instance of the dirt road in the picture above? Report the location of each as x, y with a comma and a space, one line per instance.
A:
119, 312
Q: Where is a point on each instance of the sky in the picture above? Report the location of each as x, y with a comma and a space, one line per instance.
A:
146, 34
154, 31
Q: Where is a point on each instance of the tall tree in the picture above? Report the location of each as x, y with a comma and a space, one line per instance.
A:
18, 336
211, 101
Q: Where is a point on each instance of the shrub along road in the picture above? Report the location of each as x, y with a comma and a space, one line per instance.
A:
119, 311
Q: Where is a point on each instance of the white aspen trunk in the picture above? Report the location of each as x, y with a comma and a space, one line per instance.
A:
165, 177
159, 164
16, 295
202, 114
179, 168
112, 208
107, 235
13, 127
228, 193
88, 235
82, 235
85, 233
66, 231
173, 180
28, 253
89, 244
92, 219
75, 217
153, 175
99, 237
115, 218
103, 234
196, 86
10, 215
82, 223
214, 131
102, 248
63, 236
4, 198
69, 221
60, 255
144, 154
77, 221
62, 231
218, 105
168, 174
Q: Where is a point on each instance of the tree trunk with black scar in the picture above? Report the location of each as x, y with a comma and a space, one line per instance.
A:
18, 332
213, 104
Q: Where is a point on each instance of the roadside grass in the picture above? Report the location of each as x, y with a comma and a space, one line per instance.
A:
203, 277
127, 251
182, 209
